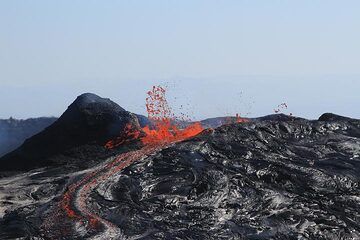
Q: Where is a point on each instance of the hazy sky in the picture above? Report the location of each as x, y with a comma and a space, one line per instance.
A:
216, 57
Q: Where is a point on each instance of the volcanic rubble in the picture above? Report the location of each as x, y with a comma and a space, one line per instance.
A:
275, 177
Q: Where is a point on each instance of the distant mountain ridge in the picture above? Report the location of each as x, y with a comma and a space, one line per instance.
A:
88, 123
13, 132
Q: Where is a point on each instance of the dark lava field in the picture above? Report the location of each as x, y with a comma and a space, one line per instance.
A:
275, 177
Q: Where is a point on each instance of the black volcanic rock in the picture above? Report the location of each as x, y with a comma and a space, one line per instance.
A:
89, 120
268, 179
13, 132
219, 121
277, 177
276, 117
216, 121
333, 117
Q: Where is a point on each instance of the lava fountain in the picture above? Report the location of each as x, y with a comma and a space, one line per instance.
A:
165, 129
76, 210
165, 126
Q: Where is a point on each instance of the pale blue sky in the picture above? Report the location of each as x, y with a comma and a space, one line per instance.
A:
217, 57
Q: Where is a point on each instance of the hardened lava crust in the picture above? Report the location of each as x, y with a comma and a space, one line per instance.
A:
294, 179
276, 177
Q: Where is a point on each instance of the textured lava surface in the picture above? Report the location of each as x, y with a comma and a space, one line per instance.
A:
293, 179
275, 178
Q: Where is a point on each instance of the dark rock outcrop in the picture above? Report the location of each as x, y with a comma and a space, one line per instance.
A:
333, 117
89, 120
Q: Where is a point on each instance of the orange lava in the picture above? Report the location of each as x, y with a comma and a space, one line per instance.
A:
129, 134
237, 119
66, 205
240, 119
164, 129
66, 201
166, 132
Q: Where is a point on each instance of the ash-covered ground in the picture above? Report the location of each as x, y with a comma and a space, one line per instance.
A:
275, 177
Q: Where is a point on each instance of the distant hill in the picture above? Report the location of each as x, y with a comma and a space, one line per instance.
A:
14, 132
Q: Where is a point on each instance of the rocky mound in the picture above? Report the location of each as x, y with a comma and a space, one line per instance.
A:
89, 121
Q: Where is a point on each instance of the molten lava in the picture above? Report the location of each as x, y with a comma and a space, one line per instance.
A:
165, 127
129, 134
166, 132
239, 119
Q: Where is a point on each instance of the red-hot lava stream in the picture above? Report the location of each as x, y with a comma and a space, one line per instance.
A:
75, 204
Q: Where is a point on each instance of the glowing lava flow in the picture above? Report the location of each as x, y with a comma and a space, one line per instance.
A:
76, 205
240, 119
89, 211
76, 209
